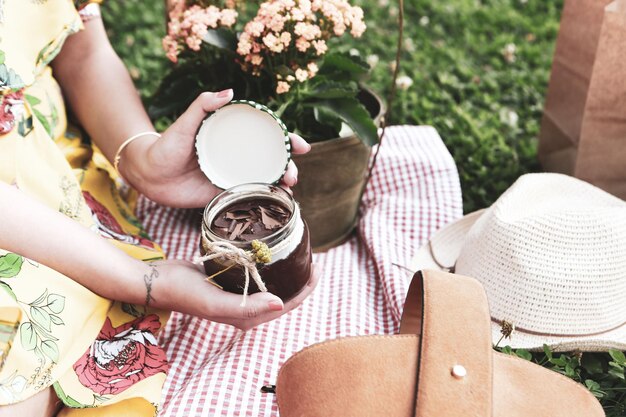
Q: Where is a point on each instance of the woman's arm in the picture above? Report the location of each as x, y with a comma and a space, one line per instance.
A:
33, 230
66, 246
99, 90
101, 94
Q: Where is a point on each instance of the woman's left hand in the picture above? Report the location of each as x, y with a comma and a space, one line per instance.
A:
166, 169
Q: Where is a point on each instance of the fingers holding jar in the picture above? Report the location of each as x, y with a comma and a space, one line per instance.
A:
264, 307
181, 286
299, 146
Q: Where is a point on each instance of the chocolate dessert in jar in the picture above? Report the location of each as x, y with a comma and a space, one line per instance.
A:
264, 222
253, 237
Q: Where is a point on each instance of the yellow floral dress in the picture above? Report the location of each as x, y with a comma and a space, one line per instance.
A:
101, 357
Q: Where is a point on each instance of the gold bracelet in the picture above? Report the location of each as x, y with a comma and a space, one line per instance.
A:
118, 154
90, 11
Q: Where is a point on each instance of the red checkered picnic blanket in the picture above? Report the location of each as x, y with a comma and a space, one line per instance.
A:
217, 370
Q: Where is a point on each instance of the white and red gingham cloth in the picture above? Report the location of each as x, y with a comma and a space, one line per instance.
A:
217, 370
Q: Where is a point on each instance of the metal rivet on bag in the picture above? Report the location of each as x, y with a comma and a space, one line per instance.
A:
459, 371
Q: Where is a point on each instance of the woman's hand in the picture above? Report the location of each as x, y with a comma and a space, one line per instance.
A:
166, 170
187, 290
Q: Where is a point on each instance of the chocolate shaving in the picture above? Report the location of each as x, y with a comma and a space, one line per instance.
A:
277, 209
250, 219
239, 215
245, 226
233, 223
235, 234
221, 222
269, 222
257, 227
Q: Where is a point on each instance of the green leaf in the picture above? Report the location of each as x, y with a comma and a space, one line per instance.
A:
591, 384
570, 371
331, 89
32, 100
618, 356
327, 117
560, 361
2, 57
618, 373
595, 388
524, 354
44, 122
56, 303
51, 350
10, 265
355, 115
8, 289
56, 320
507, 350
221, 38
67, 400
341, 62
28, 337
41, 317
54, 114
547, 351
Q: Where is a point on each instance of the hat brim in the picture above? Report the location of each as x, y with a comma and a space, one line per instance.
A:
598, 343
444, 247
441, 253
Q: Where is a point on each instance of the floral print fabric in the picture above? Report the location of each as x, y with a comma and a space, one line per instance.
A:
94, 352
122, 356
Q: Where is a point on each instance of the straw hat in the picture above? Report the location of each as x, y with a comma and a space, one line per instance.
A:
551, 255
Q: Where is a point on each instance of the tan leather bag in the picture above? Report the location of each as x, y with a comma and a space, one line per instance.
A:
441, 365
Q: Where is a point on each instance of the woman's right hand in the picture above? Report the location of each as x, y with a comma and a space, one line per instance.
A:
166, 169
185, 286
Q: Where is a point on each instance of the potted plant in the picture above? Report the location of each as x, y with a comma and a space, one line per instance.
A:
282, 53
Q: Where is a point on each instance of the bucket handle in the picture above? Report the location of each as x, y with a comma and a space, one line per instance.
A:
391, 97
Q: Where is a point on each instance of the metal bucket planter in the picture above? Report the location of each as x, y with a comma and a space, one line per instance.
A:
330, 182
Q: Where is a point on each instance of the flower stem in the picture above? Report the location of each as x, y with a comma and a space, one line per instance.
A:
283, 107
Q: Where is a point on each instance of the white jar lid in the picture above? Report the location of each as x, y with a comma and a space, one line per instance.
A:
243, 142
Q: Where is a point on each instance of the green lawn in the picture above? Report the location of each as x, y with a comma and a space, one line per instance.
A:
479, 69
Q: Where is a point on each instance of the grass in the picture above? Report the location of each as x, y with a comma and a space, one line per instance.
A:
479, 69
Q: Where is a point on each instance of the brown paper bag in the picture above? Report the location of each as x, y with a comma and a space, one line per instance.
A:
583, 131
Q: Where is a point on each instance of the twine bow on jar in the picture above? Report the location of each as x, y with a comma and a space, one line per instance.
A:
247, 260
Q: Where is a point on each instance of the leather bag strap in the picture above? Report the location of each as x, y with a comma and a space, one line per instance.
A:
455, 367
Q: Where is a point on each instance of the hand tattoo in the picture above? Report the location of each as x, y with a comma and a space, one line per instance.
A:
147, 279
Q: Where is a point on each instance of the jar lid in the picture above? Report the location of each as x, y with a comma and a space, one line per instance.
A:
243, 142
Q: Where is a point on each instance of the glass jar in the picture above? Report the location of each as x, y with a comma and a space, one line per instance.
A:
289, 270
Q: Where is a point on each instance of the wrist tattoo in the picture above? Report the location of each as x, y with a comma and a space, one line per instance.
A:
147, 280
